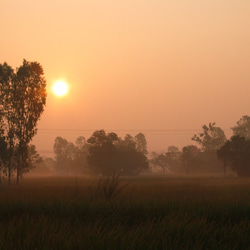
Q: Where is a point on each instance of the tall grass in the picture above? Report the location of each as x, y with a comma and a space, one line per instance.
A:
156, 213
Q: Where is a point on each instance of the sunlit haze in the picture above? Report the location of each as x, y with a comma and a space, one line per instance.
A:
163, 68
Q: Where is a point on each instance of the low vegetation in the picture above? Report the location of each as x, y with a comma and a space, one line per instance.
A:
151, 212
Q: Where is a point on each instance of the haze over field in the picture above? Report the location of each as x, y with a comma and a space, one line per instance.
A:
163, 68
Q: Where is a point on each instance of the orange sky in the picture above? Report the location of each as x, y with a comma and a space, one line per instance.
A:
134, 65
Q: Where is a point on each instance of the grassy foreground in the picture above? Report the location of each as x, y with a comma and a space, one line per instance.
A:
151, 213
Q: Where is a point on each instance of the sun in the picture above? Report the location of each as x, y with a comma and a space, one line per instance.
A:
60, 88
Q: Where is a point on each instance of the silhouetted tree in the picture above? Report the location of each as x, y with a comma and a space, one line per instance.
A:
242, 127
162, 162
30, 160
80, 142
190, 158
110, 155
29, 102
102, 152
8, 115
33, 156
211, 139
129, 160
141, 143
235, 153
153, 160
167, 161
173, 159
3, 155
80, 162
65, 154
23, 97
70, 158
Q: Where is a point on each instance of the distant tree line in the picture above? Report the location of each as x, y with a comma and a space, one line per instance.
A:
107, 153
22, 101
103, 153
213, 153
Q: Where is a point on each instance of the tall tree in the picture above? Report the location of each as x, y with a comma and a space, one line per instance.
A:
23, 97
7, 112
211, 139
242, 127
3, 155
29, 102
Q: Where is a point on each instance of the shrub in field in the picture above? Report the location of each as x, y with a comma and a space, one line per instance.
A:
109, 187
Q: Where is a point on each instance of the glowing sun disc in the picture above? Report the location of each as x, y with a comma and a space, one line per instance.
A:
60, 88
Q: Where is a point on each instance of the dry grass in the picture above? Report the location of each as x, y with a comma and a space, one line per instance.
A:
152, 212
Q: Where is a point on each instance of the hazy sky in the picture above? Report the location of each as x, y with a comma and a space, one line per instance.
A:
134, 65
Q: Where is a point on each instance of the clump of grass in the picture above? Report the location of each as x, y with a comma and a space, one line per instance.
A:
109, 187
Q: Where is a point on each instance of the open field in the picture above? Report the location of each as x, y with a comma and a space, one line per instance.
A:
152, 212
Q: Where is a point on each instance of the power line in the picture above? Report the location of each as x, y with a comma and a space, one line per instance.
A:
124, 130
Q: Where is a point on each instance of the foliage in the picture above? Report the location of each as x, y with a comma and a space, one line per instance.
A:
236, 154
109, 154
23, 98
70, 158
211, 139
190, 158
141, 143
173, 158
242, 127
33, 157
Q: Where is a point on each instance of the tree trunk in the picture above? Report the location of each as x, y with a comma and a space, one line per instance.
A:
18, 169
9, 169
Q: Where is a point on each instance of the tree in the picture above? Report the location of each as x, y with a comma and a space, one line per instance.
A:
33, 156
141, 143
129, 161
161, 161
7, 113
65, 154
3, 155
80, 142
70, 158
23, 98
110, 155
31, 160
242, 127
29, 102
190, 158
173, 158
80, 162
235, 153
101, 155
211, 139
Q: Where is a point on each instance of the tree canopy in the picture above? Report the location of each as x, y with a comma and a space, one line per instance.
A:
211, 139
109, 154
236, 154
23, 97
242, 127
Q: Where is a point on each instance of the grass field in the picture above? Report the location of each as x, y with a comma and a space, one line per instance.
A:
152, 212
